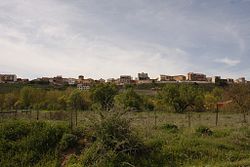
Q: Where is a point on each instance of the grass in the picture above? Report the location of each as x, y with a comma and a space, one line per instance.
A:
169, 142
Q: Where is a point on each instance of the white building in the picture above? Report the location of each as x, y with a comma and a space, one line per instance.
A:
83, 87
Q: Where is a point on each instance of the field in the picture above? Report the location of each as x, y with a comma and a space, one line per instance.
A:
168, 139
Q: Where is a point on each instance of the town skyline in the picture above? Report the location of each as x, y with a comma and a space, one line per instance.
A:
139, 76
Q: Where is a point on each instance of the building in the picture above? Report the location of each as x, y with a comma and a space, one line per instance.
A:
196, 77
101, 80
166, 78
8, 78
241, 80
80, 79
83, 87
111, 80
148, 81
230, 80
20, 80
209, 79
125, 79
216, 79
179, 78
58, 80
143, 76
71, 81
172, 78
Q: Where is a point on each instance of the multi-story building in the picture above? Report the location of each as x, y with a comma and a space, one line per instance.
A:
166, 78
230, 80
111, 80
101, 80
71, 81
8, 78
148, 81
241, 80
143, 76
125, 79
216, 79
20, 80
179, 78
83, 87
80, 78
209, 79
172, 78
196, 77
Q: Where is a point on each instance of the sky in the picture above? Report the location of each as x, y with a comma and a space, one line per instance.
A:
109, 38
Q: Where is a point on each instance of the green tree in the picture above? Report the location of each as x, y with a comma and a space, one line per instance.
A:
104, 94
240, 94
10, 100
212, 98
52, 99
39, 100
26, 97
180, 97
76, 102
129, 100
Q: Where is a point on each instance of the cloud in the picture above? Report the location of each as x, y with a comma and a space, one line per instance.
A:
227, 61
96, 39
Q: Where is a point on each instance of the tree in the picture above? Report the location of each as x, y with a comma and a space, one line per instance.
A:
240, 94
10, 100
212, 98
76, 102
52, 99
26, 97
180, 97
38, 102
104, 94
129, 100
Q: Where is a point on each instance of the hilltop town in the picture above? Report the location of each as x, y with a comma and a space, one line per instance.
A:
83, 83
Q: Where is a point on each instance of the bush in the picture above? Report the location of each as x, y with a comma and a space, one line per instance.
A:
204, 131
170, 128
115, 144
67, 141
24, 143
115, 133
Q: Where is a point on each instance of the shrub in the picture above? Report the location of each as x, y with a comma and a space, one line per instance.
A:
115, 133
170, 128
68, 141
115, 144
24, 143
204, 131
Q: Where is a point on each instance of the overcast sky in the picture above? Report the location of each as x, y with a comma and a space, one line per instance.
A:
106, 38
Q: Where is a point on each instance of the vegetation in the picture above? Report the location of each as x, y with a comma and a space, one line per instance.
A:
97, 127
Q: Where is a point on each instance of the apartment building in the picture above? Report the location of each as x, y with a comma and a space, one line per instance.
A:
166, 78
172, 78
125, 79
241, 80
179, 78
196, 77
83, 87
216, 79
8, 78
143, 76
